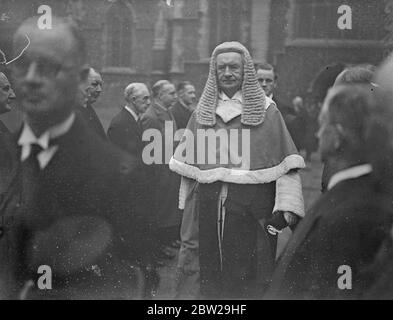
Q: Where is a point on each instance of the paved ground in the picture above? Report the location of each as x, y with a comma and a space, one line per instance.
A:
311, 179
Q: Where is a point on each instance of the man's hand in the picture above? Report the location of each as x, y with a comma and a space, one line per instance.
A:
291, 218
281, 220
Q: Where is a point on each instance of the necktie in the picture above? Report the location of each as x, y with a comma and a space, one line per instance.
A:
31, 178
139, 125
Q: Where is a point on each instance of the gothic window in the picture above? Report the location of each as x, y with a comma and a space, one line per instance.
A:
230, 21
119, 26
317, 19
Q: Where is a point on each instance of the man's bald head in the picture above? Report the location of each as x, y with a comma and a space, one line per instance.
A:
164, 92
94, 86
133, 89
64, 36
93, 74
137, 96
49, 71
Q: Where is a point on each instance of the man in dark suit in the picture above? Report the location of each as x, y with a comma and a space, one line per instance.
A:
124, 130
361, 74
164, 183
340, 235
90, 95
126, 133
67, 178
185, 104
267, 78
380, 138
7, 95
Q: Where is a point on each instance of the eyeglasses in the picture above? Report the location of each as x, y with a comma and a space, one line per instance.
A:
44, 67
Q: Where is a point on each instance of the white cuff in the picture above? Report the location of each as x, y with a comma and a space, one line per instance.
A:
289, 195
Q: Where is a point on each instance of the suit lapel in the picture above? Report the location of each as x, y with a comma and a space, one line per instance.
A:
3, 128
329, 199
160, 114
71, 156
297, 239
301, 233
163, 116
131, 123
173, 120
11, 182
183, 113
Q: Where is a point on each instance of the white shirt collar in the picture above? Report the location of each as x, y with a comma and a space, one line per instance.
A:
27, 138
268, 102
238, 97
229, 108
350, 173
133, 113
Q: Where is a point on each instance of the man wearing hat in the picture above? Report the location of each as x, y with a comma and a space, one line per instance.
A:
242, 205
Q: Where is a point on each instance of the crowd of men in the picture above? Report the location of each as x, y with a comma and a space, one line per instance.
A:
87, 204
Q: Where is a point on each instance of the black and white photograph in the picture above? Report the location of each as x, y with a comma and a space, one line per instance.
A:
209, 152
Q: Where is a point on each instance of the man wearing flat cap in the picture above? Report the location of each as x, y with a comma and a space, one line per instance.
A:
243, 205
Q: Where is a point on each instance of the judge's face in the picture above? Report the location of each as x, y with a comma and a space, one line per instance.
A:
230, 72
7, 95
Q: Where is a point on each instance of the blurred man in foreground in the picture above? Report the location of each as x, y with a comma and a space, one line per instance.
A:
72, 202
361, 74
342, 232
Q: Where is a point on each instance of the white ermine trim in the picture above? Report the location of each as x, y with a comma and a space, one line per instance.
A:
237, 176
289, 195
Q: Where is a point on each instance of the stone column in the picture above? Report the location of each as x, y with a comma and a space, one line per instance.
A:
177, 38
388, 39
260, 22
204, 30
160, 40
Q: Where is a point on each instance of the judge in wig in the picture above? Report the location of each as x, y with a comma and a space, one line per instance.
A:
244, 181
